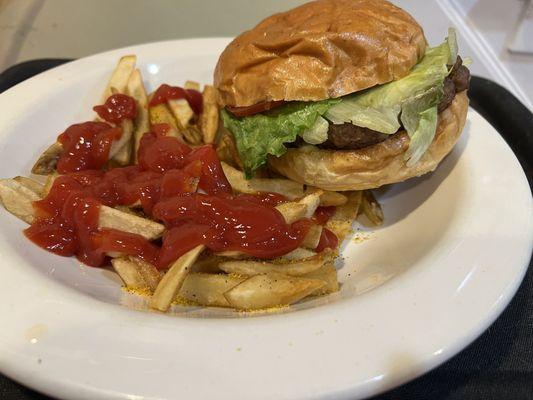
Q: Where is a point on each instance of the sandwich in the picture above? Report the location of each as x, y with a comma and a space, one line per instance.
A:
342, 95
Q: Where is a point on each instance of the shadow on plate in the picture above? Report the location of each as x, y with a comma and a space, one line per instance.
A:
419, 189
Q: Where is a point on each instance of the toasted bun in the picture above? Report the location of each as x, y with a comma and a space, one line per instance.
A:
376, 165
320, 50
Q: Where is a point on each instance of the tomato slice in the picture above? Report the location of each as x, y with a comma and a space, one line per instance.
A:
254, 109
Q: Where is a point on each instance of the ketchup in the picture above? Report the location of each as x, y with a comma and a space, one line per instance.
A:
230, 223
165, 186
107, 240
272, 199
166, 92
328, 240
116, 108
86, 146
323, 214
65, 220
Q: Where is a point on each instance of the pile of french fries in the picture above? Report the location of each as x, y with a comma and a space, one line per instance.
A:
227, 279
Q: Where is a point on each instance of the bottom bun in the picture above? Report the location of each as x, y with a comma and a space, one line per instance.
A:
376, 165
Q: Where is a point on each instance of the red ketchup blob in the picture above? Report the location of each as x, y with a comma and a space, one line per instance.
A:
229, 223
112, 240
117, 108
65, 221
272, 199
166, 92
164, 185
328, 240
323, 214
86, 146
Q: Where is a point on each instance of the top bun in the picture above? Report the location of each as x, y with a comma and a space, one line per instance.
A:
323, 49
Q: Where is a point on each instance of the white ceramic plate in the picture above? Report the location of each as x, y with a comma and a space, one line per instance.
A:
452, 253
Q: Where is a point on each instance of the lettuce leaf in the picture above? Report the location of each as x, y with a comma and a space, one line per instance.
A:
357, 110
422, 137
412, 99
318, 133
452, 43
417, 119
259, 135
379, 108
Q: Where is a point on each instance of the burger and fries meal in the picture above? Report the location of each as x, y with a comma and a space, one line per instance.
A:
240, 194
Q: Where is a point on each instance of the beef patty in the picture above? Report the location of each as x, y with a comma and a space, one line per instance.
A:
352, 137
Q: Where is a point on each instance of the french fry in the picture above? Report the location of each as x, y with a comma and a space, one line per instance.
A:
34, 186
182, 111
173, 279
149, 272
119, 78
233, 254
136, 273
46, 164
208, 289
299, 254
115, 254
271, 290
192, 85
135, 88
227, 150
282, 266
371, 208
329, 199
341, 222
193, 135
129, 273
209, 117
123, 156
290, 189
208, 263
292, 211
121, 149
160, 114
328, 274
312, 238
115, 219
18, 199
49, 183
130, 209
184, 115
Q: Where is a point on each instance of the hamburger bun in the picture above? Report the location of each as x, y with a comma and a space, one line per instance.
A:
376, 165
320, 50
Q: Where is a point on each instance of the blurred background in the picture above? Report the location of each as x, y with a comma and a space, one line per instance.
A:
496, 34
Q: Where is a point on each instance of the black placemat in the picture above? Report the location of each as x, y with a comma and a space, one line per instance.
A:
499, 364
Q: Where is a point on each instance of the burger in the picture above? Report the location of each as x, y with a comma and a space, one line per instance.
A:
342, 95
